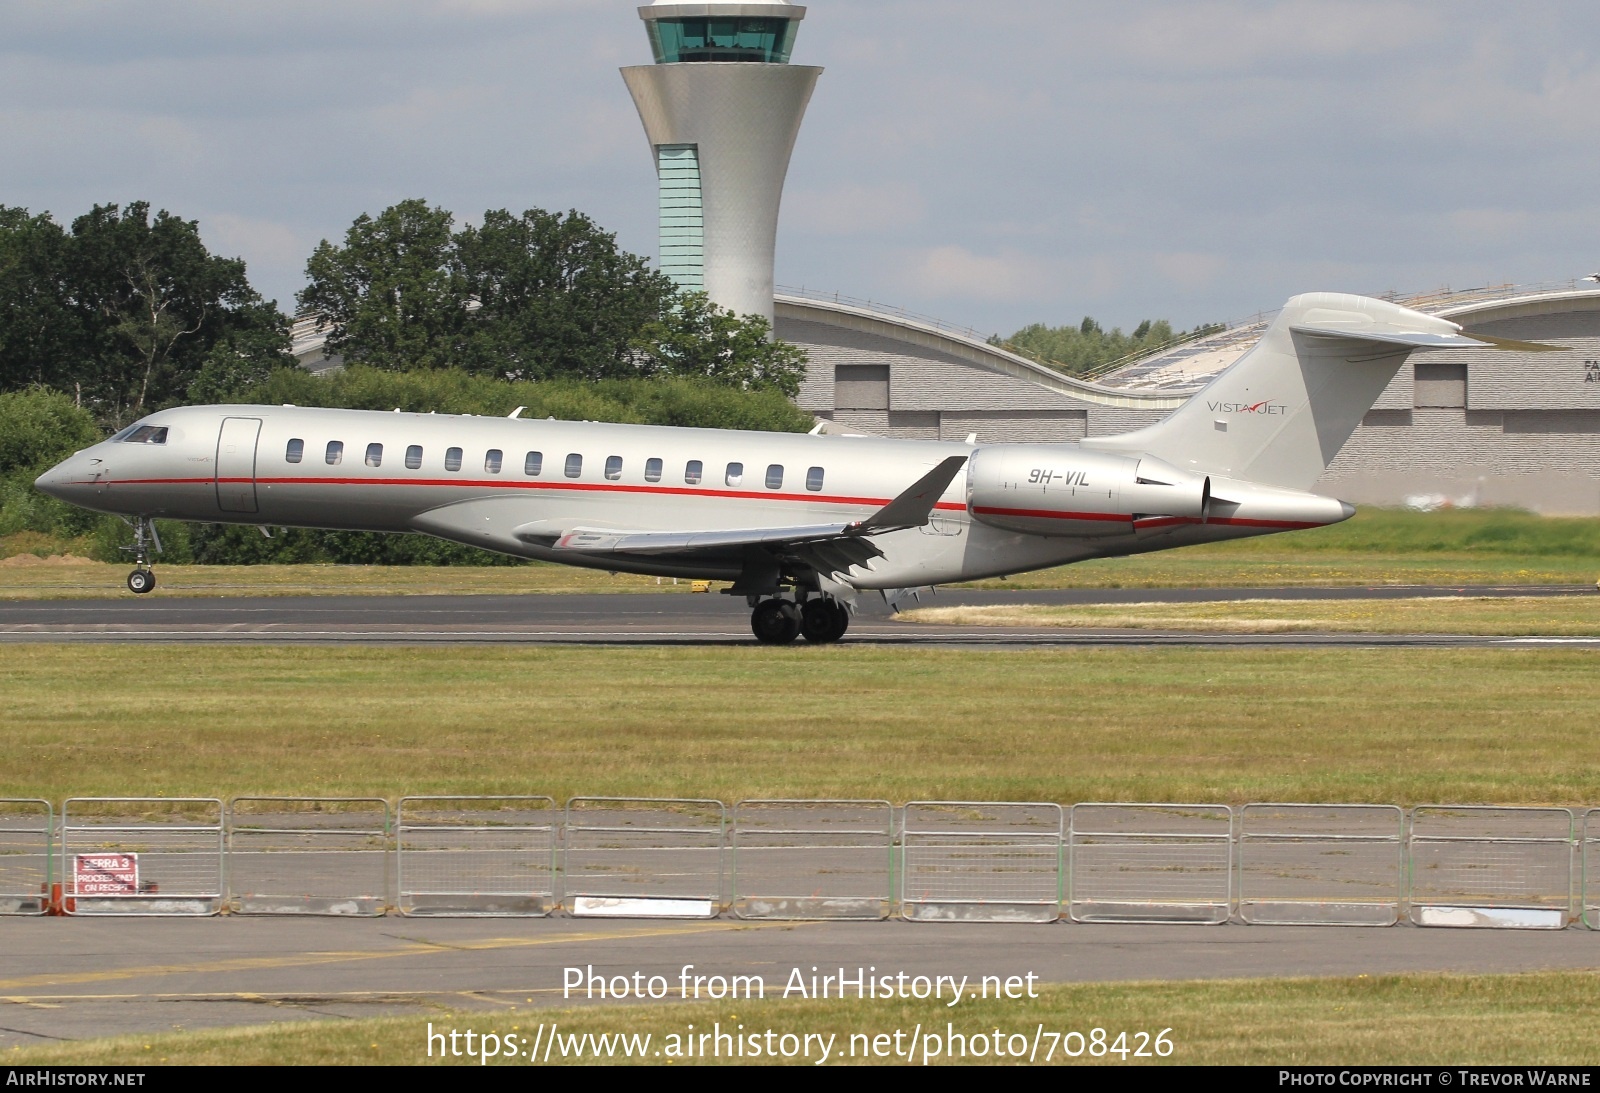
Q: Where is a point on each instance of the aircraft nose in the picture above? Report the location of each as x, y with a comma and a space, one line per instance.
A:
65, 480
53, 481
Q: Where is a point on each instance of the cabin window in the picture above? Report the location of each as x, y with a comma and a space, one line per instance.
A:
452, 459
814, 479
533, 464
414, 457
574, 465
374, 455
295, 452
735, 474
335, 454
693, 471
652, 470
613, 467
492, 459
775, 477
147, 434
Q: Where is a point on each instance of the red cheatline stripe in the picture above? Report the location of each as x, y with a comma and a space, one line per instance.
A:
513, 484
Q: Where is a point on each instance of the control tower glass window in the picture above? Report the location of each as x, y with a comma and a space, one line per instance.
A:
767, 41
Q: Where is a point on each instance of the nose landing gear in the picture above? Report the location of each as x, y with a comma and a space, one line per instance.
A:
820, 621
145, 543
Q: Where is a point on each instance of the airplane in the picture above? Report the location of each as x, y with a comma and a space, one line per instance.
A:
800, 525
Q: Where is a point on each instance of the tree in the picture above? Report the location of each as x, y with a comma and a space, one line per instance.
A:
1087, 346
125, 311
391, 296
41, 334
552, 295
531, 297
698, 338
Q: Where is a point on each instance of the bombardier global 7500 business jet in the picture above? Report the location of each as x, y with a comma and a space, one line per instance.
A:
799, 524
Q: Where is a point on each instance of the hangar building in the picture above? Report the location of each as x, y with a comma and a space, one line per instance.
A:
1455, 427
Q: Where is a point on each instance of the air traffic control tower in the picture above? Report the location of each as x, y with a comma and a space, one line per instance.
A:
722, 107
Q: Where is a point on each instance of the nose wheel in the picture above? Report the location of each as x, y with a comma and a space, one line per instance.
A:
145, 543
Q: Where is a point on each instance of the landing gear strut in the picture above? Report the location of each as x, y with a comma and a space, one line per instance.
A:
778, 622
145, 543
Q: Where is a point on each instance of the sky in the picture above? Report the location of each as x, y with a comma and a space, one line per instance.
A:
990, 163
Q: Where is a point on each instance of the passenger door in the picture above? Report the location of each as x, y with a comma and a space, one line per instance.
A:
236, 464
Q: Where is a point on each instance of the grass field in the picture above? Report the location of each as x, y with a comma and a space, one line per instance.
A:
1397, 726
1520, 615
1367, 1020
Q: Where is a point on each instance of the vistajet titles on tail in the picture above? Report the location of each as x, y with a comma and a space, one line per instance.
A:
800, 525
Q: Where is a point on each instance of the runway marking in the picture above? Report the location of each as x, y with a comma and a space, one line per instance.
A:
1548, 641
237, 964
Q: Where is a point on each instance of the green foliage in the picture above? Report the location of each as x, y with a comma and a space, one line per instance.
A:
532, 297
124, 311
38, 429
698, 338
1087, 346
232, 544
680, 401
391, 295
555, 297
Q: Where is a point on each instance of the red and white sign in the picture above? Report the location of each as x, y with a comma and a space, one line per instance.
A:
105, 874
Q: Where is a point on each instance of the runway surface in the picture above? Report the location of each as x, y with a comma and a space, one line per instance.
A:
676, 619
66, 979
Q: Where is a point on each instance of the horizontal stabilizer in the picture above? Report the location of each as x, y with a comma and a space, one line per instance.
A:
1419, 339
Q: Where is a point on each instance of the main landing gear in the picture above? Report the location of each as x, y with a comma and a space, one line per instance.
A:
821, 620
145, 543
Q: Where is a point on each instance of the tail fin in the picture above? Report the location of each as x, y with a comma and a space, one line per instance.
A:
1280, 413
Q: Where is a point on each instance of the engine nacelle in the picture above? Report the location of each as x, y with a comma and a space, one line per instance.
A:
1060, 489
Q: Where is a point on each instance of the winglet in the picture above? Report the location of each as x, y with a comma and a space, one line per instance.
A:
913, 507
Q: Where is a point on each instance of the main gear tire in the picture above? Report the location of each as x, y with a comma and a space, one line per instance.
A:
775, 622
824, 621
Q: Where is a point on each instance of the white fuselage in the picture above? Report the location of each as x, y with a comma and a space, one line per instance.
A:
516, 486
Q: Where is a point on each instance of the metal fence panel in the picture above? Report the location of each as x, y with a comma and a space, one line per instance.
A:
1321, 865
813, 859
1475, 865
630, 857
981, 862
308, 856
1150, 863
26, 861
142, 855
1591, 869
477, 856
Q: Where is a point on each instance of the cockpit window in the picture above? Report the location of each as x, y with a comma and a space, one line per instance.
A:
147, 434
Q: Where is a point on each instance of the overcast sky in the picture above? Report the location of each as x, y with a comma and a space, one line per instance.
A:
990, 163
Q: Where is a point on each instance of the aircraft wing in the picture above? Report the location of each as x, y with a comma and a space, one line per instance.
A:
828, 548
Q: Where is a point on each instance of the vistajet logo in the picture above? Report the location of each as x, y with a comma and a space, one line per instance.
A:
1266, 408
